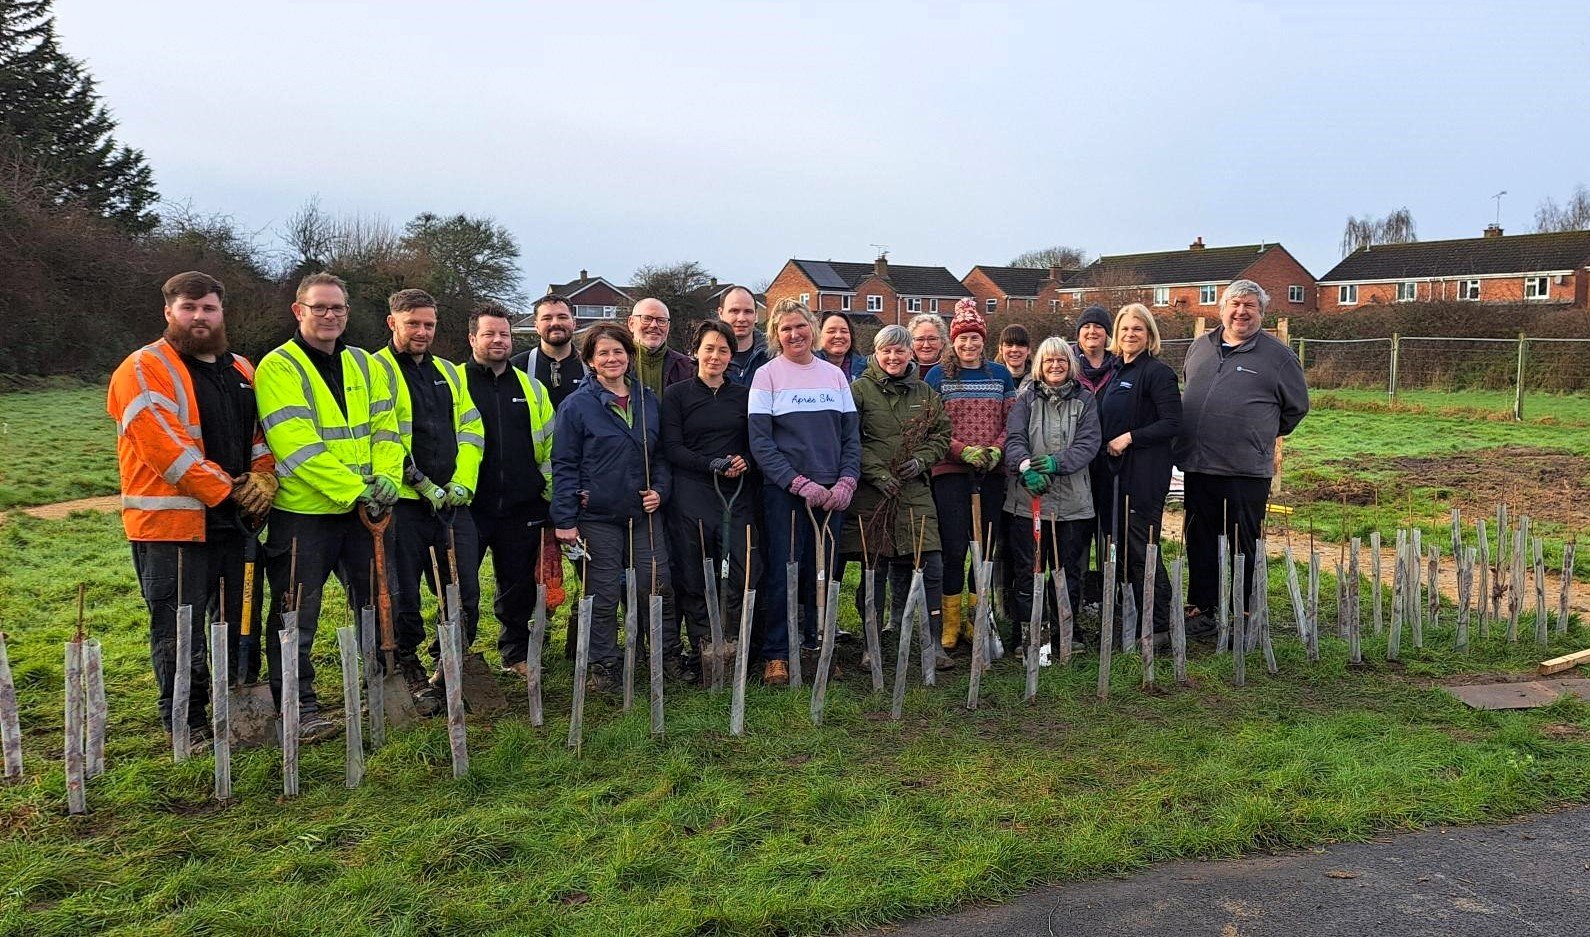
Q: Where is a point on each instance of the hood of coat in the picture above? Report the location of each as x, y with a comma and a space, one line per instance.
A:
1067, 389
882, 378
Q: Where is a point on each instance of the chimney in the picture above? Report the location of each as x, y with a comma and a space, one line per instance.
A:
714, 281
880, 267
1197, 244
1054, 272
1493, 230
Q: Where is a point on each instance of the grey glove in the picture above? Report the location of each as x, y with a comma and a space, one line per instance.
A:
911, 469
720, 466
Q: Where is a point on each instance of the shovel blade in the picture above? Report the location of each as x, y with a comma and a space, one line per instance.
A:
252, 716
397, 702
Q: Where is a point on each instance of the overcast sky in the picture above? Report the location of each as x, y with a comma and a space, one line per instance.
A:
609, 135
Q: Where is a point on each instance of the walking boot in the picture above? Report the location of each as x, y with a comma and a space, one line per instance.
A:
950, 627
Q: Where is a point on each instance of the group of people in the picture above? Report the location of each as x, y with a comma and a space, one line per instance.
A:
752, 459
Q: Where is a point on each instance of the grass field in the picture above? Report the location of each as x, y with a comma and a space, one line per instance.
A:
1572, 409
55, 445
793, 829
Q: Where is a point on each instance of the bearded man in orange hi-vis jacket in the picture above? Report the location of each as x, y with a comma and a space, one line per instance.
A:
196, 478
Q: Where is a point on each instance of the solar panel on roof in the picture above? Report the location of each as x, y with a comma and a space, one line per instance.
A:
824, 276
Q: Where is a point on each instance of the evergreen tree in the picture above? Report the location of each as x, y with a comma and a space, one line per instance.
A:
52, 120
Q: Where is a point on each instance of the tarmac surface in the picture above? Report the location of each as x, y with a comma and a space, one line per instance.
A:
1529, 878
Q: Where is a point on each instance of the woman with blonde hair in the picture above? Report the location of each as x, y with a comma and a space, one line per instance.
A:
1140, 416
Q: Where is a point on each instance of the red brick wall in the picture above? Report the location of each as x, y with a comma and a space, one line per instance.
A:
1276, 271
1496, 290
789, 284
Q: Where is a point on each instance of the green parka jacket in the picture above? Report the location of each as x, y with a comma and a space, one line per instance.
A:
902, 418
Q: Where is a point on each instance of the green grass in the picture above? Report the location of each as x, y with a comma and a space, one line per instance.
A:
1539, 407
55, 445
793, 829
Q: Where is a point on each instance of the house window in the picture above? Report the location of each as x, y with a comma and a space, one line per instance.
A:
992, 304
1076, 297
934, 306
1536, 288
874, 303
1469, 290
595, 312
913, 305
844, 303
1407, 291
1294, 293
806, 299
1054, 306
1206, 295
1162, 296
1347, 295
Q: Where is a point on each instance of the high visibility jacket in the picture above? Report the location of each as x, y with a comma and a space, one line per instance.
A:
166, 482
466, 420
322, 456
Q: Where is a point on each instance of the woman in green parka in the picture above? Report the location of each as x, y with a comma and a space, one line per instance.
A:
904, 431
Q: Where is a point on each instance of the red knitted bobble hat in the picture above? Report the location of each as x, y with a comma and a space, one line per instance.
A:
968, 319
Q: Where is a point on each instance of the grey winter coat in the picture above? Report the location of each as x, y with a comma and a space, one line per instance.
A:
1061, 422
1235, 406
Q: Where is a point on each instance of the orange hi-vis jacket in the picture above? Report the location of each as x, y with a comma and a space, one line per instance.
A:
166, 482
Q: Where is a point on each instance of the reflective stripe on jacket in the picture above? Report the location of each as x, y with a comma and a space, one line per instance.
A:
166, 481
323, 457
467, 424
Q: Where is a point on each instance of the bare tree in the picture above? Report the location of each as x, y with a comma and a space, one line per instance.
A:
1574, 216
1396, 228
310, 234
1066, 258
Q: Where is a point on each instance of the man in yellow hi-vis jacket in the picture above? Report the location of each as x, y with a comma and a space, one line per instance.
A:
329, 420
443, 441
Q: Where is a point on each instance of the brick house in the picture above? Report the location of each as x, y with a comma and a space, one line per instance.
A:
595, 298
1189, 282
1546, 268
876, 292
1012, 290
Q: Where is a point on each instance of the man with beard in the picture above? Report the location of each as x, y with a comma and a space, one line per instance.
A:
510, 506
656, 364
331, 424
196, 477
737, 310
443, 441
553, 361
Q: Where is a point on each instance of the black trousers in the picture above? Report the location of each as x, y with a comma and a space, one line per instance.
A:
1072, 539
203, 567
514, 540
416, 532
1240, 500
686, 532
327, 544
952, 498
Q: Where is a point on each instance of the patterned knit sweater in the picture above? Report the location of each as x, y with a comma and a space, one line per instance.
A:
977, 401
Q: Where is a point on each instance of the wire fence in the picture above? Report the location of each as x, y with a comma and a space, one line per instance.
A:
1526, 378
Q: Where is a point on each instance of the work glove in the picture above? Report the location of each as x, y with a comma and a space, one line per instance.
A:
720, 466
973, 456
1034, 481
433, 494
888, 485
813, 493
457, 496
1045, 464
840, 494
993, 456
911, 469
383, 492
254, 492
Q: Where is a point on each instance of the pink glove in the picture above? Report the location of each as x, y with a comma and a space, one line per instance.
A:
804, 487
839, 496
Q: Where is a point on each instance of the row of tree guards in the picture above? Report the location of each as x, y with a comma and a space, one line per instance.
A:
1492, 595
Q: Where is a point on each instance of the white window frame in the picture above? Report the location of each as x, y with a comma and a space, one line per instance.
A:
806, 299
1465, 287
1076, 298
913, 304
874, 303
1208, 294
1407, 291
934, 306
1054, 306
1162, 296
1347, 294
1542, 285
991, 305
1294, 293
844, 303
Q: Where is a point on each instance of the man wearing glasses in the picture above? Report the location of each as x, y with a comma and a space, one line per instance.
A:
330, 422
553, 361
656, 364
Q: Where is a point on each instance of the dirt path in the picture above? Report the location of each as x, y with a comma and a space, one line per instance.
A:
1578, 592
60, 510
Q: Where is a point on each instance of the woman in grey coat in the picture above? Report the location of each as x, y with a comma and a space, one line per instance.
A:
1051, 435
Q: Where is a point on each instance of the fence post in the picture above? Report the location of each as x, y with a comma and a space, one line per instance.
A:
1396, 352
1198, 326
1518, 378
1302, 353
1283, 329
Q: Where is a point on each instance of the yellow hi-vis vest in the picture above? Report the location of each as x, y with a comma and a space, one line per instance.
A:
323, 457
467, 425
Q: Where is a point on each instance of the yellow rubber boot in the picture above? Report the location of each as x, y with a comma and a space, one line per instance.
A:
969, 622
950, 627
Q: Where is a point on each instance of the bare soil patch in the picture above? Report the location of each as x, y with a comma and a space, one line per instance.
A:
62, 509
1546, 484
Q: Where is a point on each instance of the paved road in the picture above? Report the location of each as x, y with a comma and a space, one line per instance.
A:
1525, 879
